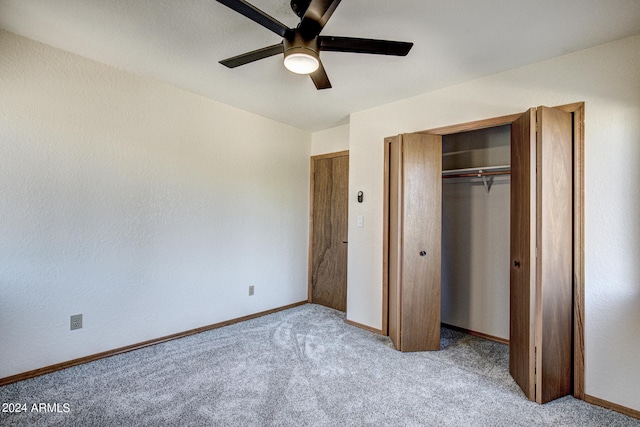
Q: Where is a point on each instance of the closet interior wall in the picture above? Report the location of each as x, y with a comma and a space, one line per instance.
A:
475, 233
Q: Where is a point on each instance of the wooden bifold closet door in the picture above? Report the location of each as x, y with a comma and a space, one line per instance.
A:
541, 270
541, 292
415, 227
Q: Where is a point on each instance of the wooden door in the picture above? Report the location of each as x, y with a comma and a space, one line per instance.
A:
542, 253
523, 253
328, 264
555, 254
415, 224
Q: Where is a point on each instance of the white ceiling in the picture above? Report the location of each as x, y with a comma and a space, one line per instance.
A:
181, 42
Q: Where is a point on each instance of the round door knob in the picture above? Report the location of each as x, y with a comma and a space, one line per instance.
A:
423, 253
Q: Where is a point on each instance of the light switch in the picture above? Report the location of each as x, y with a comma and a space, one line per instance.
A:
360, 221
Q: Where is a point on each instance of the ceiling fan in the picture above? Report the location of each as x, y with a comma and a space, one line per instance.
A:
302, 45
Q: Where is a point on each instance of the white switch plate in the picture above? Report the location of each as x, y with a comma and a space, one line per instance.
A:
360, 221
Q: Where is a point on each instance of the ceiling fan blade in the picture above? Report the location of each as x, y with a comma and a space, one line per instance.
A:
316, 17
256, 15
320, 78
355, 45
255, 55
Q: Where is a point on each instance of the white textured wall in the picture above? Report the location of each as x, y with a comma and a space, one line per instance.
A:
146, 208
330, 140
606, 78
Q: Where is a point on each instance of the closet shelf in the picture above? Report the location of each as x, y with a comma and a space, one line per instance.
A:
477, 172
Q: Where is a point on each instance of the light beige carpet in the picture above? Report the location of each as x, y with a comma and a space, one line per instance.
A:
299, 367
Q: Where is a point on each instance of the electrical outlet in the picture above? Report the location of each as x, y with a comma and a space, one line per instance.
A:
251, 290
76, 321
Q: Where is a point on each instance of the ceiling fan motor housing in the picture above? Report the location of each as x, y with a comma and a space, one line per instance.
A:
301, 44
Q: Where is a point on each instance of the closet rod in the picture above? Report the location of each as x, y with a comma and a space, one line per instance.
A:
476, 174
488, 171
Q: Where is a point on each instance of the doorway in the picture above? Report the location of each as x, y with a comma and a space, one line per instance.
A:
328, 230
575, 246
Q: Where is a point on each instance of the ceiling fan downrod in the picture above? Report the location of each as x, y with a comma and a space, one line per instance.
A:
299, 7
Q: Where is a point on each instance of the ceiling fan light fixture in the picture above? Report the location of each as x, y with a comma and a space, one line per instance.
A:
301, 62
300, 54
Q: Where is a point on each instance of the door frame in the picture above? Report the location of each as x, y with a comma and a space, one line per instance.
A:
311, 193
577, 110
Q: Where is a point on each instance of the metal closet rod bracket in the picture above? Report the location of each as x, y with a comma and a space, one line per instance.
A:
487, 183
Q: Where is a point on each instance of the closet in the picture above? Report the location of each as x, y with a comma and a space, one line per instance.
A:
545, 232
475, 231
